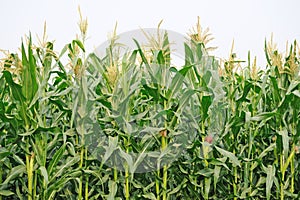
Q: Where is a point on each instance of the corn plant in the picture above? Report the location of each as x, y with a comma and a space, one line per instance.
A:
74, 125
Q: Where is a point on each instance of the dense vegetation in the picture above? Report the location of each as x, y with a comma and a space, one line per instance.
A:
76, 126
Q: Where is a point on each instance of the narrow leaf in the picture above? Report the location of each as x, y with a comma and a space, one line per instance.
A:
234, 160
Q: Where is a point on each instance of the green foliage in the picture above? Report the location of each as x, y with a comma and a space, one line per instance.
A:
88, 128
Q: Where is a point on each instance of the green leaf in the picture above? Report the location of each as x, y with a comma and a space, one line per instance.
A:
139, 159
66, 165
55, 159
186, 97
39, 151
3, 153
206, 172
266, 150
128, 159
264, 116
296, 93
44, 173
177, 81
285, 141
217, 171
79, 43
15, 172
178, 187
6, 193
94, 173
185, 70
150, 91
112, 187
160, 58
220, 162
29, 77
205, 104
270, 180
48, 56
58, 185
166, 49
149, 196
247, 88
276, 90
294, 84
234, 160
144, 59
16, 91
266, 53
112, 146
199, 51
189, 56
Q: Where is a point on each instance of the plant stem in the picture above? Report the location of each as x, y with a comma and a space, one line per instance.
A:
86, 179
292, 170
127, 194
205, 154
251, 178
250, 156
80, 166
282, 178
127, 187
292, 189
276, 164
232, 106
157, 177
157, 188
282, 160
29, 166
35, 185
164, 144
86, 188
115, 174
235, 181
165, 170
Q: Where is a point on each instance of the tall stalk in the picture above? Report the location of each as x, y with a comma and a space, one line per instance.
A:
86, 177
157, 179
115, 173
206, 164
29, 167
232, 113
157, 184
127, 187
81, 167
164, 144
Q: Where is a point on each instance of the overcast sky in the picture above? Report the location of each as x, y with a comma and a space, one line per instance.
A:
247, 22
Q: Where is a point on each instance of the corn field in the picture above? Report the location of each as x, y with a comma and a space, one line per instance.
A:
74, 125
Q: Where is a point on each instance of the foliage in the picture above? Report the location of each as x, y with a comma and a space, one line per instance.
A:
67, 128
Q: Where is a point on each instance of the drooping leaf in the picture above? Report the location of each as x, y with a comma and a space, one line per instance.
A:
15, 172
233, 159
269, 180
113, 187
6, 193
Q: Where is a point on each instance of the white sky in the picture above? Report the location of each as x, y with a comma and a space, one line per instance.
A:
247, 22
